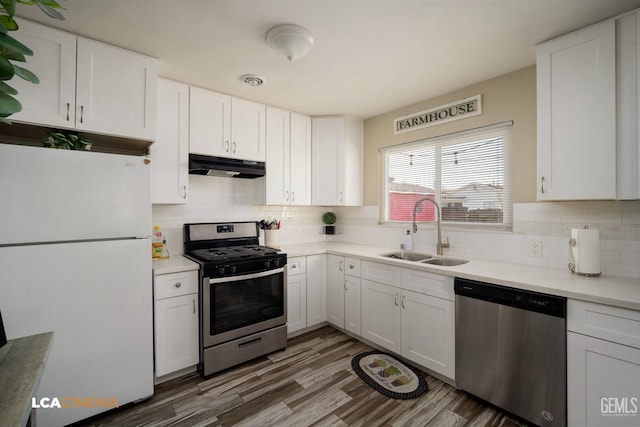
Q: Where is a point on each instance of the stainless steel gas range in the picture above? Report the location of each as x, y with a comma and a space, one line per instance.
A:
243, 293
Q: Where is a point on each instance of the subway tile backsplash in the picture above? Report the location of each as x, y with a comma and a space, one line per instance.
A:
226, 199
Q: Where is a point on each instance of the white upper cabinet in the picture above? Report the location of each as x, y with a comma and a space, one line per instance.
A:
224, 126
587, 84
86, 85
288, 158
170, 152
337, 161
115, 91
52, 101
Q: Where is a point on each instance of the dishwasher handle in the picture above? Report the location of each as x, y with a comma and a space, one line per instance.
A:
552, 305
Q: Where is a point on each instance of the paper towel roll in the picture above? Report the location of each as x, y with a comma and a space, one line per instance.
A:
586, 252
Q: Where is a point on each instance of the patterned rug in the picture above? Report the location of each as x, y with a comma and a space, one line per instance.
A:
385, 374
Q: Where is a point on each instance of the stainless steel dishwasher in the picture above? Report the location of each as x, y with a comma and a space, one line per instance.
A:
511, 350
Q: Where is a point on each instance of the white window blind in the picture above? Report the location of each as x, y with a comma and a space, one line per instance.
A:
466, 173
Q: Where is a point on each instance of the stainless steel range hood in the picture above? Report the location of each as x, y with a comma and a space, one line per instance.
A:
221, 166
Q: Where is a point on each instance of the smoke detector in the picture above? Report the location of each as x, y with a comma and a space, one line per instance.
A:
252, 80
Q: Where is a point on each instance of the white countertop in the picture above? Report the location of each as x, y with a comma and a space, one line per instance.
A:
174, 264
605, 289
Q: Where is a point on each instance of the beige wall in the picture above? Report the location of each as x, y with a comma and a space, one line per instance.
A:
504, 98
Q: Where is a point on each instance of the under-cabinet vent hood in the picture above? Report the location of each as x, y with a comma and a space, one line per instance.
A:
222, 166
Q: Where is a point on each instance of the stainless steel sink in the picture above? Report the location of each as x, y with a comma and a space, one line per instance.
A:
445, 261
409, 256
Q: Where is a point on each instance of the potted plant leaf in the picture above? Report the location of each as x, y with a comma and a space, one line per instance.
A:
329, 218
66, 140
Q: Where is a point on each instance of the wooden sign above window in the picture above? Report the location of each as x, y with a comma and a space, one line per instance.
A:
468, 107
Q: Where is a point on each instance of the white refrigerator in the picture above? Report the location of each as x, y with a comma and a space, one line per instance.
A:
75, 259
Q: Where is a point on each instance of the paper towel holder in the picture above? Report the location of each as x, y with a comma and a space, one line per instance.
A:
572, 264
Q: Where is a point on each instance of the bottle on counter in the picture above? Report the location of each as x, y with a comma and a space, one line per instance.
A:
156, 242
408, 241
164, 254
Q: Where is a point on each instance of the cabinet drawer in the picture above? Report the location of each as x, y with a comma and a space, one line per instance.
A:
428, 284
296, 265
352, 266
615, 324
175, 284
382, 273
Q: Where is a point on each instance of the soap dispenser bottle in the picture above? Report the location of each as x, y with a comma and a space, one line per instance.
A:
408, 241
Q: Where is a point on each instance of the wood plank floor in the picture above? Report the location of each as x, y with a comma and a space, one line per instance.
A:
311, 383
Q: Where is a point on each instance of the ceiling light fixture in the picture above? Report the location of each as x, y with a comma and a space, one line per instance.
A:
293, 41
252, 80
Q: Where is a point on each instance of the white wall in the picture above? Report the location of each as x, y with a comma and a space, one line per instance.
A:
550, 223
228, 199
214, 199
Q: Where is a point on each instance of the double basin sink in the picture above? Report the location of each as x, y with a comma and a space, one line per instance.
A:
426, 258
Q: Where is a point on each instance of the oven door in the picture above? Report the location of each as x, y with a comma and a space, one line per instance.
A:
237, 306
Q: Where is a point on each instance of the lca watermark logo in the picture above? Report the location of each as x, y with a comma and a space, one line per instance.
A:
74, 402
619, 406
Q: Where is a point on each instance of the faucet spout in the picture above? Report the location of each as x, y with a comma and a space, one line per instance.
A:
439, 246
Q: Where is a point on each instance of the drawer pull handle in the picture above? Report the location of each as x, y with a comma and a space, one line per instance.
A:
178, 284
248, 343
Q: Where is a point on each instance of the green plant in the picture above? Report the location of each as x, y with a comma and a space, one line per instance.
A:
329, 218
66, 139
11, 51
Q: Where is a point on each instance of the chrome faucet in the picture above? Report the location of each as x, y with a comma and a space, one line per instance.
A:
440, 246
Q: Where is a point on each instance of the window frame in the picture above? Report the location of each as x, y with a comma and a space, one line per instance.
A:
504, 129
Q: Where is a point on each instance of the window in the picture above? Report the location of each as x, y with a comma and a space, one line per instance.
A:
466, 174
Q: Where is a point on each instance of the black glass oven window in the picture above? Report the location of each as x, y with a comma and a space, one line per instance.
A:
246, 302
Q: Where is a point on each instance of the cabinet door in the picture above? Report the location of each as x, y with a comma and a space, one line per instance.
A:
277, 157
300, 159
209, 123
52, 101
381, 314
326, 169
316, 289
602, 382
352, 168
335, 290
115, 91
296, 302
352, 304
170, 152
176, 333
576, 84
247, 130
428, 332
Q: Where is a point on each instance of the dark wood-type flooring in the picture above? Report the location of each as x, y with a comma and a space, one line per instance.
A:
311, 383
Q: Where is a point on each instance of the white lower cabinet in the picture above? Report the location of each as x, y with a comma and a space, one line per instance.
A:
381, 315
316, 289
296, 294
335, 290
603, 365
306, 292
415, 319
175, 321
343, 293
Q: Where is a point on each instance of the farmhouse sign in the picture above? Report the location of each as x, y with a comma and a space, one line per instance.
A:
468, 107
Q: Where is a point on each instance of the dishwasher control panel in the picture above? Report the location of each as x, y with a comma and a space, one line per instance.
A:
527, 300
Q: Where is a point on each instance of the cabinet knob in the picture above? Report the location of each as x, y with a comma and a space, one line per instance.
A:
293, 267
178, 284
351, 266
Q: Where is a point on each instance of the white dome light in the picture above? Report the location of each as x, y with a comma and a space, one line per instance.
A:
293, 41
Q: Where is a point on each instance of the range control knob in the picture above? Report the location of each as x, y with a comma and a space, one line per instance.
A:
277, 262
267, 263
232, 269
221, 271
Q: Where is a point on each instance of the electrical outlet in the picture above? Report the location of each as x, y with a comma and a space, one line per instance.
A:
535, 248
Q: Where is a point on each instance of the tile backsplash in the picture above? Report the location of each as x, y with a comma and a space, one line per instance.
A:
548, 224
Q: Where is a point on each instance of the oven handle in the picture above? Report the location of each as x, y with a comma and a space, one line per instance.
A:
245, 276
